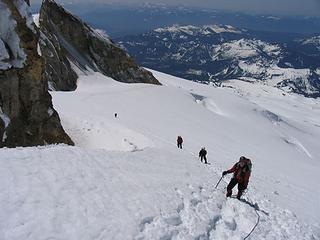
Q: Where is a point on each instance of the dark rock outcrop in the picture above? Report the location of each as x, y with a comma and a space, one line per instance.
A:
58, 70
27, 117
86, 48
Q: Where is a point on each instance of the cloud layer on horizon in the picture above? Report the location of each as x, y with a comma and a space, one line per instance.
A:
287, 7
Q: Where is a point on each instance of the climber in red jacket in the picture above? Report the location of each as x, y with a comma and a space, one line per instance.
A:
241, 174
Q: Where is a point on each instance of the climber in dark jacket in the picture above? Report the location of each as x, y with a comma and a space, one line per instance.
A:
202, 155
179, 142
241, 174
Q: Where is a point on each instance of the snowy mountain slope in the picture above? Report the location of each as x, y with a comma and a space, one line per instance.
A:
125, 179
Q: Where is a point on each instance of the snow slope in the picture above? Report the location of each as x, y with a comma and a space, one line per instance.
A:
125, 179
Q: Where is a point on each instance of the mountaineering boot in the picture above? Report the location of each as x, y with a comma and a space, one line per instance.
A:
239, 195
229, 193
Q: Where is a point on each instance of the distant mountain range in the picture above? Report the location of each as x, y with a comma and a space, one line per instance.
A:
215, 53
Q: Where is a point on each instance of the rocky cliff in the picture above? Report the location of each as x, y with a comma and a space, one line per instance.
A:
72, 39
27, 117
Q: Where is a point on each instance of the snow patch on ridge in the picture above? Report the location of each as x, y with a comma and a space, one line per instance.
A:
102, 34
36, 19
6, 120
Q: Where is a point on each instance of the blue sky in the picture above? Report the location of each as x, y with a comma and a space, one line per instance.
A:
276, 7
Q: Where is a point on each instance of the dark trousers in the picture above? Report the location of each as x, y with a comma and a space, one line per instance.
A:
203, 158
179, 145
232, 184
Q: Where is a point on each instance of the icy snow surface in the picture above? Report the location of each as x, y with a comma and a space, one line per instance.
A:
126, 179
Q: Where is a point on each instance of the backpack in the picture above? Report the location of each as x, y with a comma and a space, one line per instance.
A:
248, 164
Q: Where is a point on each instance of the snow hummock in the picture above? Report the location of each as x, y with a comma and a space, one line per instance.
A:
126, 179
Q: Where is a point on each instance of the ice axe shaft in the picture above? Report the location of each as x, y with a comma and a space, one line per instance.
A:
218, 182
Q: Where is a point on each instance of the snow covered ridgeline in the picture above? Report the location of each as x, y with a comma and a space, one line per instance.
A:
194, 30
127, 180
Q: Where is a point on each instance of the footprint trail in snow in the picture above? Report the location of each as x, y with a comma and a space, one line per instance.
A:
206, 214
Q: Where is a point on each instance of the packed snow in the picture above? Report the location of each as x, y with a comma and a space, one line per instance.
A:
126, 179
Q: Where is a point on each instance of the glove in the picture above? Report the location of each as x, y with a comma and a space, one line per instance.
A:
224, 173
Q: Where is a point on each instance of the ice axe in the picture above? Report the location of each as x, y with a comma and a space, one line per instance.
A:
218, 182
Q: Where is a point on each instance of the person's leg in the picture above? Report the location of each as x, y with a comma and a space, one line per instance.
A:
205, 160
231, 185
201, 158
241, 188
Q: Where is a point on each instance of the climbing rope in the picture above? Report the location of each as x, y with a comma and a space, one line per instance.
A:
257, 223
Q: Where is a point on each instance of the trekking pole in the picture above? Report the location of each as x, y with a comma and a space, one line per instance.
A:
218, 182
244, 192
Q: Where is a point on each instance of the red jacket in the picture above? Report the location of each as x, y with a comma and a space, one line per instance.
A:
242, 174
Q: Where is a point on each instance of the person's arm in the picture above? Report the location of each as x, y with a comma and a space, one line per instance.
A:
231, 170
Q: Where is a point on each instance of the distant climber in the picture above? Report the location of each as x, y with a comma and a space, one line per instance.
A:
241, 174
116, 115
179, 142
203, 155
